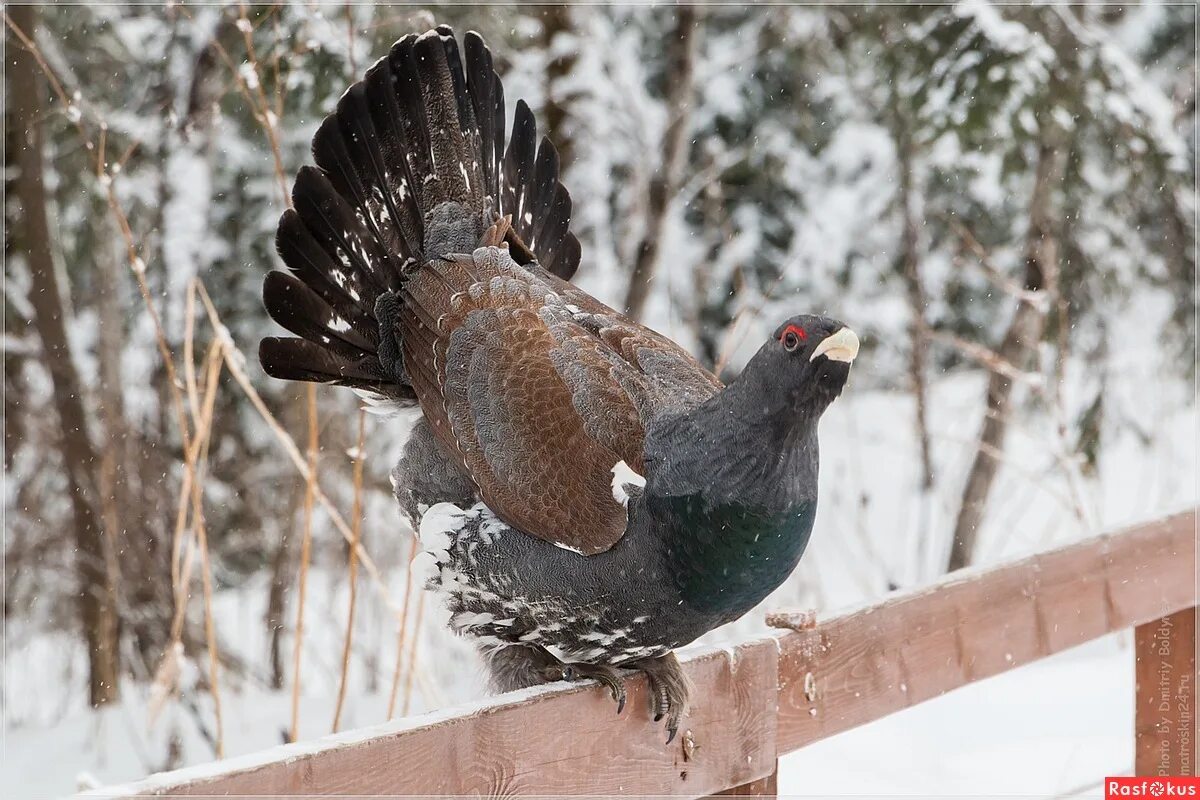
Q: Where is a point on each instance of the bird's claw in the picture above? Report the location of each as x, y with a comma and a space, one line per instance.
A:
668, 694
604, 675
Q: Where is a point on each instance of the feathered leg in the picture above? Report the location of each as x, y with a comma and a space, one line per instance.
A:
518, 666
521, 666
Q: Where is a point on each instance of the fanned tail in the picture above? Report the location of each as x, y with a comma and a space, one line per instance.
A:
411, 166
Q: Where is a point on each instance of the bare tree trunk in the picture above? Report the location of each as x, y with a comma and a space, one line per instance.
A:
681, 59
556, 19
14, 413
712, 209
281, 576
1024, 332
97, 589
915, 290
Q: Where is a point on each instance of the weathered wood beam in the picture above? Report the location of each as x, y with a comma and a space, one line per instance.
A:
546, 741
767, 787
862, 666
1165, 718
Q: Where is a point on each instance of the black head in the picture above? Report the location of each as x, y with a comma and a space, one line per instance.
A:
806, 362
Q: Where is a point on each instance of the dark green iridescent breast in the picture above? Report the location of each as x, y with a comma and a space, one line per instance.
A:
728, 557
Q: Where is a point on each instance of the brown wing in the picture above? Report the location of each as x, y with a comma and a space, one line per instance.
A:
539, 391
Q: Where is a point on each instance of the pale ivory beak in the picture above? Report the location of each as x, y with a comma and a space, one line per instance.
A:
841, 346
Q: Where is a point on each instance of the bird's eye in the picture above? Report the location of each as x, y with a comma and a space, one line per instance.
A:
792, 337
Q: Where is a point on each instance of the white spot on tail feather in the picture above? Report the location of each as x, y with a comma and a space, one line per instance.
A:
624, 476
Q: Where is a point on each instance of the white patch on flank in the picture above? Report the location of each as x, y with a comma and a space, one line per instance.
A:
466, 619
490, 526
624, 476
425, 568
568, 547
439, 522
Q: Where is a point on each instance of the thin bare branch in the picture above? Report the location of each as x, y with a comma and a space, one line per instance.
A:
989, 269
989, 358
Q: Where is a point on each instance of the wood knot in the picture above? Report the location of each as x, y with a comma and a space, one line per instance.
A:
793, 620
689, 746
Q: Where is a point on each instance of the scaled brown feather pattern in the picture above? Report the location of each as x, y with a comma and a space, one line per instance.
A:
539, 397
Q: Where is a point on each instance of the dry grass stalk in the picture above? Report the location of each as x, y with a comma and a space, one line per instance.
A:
267, 117
412, 654
352, 559
191, 497
310, 489
210, 630
400, 637
235, 362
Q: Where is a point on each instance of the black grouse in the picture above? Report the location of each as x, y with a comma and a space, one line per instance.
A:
590, 498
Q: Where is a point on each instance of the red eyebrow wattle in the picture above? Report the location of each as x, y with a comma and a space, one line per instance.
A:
796, 329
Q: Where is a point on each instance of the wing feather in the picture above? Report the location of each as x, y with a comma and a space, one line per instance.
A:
539, 390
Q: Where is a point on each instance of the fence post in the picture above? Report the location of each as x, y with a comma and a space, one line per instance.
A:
763, 787
1165, 696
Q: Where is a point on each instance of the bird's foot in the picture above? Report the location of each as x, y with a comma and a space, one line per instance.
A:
577, 671
668, 690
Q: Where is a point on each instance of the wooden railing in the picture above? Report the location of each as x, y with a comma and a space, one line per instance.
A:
761, 699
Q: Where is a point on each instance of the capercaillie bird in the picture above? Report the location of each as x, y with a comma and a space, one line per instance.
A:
588, 496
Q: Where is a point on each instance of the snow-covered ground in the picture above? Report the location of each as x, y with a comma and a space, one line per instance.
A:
1043, 730
1052, 729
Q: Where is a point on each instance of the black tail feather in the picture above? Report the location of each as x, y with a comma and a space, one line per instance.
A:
425, 127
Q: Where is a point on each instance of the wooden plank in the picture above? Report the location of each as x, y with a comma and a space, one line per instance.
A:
750, 704
546, 741
1165, 698
763, 787
859, 667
